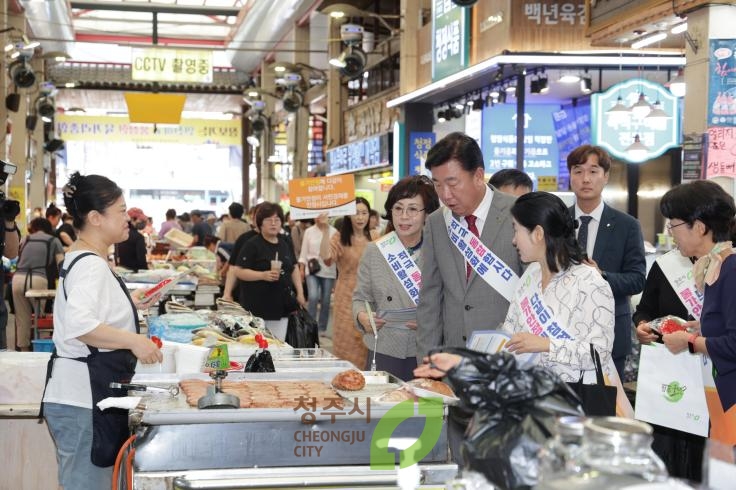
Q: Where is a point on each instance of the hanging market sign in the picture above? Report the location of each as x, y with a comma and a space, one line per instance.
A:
315, 195
616, 130
120, 129
450, 40
722, 83
171, 65
360, 155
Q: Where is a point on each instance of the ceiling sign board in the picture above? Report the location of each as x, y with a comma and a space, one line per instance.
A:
450, 38
655, 122
114, 129
171, 65
154, 108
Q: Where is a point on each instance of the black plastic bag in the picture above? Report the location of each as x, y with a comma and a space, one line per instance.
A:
514, 413
302, 331
260, 362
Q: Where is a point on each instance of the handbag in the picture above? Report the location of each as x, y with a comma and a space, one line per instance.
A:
670, 390
302, 331
313, 265
596, 399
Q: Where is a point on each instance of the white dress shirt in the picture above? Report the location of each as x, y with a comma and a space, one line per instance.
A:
592, 226
481, 212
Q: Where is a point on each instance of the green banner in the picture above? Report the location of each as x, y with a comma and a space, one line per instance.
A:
450, 38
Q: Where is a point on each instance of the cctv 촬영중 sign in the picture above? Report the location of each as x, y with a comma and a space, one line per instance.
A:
616, 131
171, 65
334, 194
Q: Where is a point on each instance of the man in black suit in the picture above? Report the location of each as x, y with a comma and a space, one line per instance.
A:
612, 240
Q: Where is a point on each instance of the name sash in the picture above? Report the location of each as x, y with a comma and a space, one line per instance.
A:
679, 273
401, 264
485, 263
538, 317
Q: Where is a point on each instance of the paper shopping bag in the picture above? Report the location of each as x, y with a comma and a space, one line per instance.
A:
669, 390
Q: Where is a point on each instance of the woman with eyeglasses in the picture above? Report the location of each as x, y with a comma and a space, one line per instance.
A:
345, 249
702, 222
267, 265
385, 279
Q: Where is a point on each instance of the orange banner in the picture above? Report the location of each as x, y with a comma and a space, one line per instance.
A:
311, 197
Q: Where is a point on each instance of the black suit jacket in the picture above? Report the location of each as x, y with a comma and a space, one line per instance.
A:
619, 253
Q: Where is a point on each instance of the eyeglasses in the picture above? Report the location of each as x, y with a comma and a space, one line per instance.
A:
670, 225
411, 211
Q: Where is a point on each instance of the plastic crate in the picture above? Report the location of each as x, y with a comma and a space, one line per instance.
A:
44, 321
42, 345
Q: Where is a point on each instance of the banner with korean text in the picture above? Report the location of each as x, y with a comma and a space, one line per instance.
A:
313, 196
120, 129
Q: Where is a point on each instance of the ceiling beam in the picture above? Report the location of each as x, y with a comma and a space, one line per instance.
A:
159, 8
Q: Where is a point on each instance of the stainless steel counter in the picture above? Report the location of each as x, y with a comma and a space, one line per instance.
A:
179, 446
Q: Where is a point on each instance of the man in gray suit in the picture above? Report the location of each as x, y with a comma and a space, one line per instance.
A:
612, 239
454, 300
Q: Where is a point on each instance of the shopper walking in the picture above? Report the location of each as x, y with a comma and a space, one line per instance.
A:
346, 248
96, 338
385, 288
40, 254
320, 276
266, 265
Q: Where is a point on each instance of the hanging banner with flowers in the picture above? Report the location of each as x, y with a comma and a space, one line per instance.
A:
635, 120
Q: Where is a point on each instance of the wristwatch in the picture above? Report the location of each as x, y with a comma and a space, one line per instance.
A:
691, 342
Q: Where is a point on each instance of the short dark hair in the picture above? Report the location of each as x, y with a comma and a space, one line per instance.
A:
416, 185
171, 213
549, 211
457, 146
236, 210
511, 176
346, 226
705, 201
86, 193
580, 155
40, 224
210, 239
196, 213
52, 210
266, 210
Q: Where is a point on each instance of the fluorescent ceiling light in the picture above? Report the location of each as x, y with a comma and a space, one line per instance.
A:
570, 78
679, 28
536, 59
648, 40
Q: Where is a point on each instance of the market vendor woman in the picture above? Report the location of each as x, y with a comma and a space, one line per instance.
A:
96, 339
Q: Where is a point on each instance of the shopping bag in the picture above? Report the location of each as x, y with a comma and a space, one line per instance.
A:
597, 399
302, 331
670, 391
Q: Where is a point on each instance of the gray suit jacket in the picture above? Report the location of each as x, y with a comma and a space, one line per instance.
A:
451, 308
378, 285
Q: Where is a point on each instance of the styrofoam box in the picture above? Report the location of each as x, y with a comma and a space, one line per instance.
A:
23, 377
